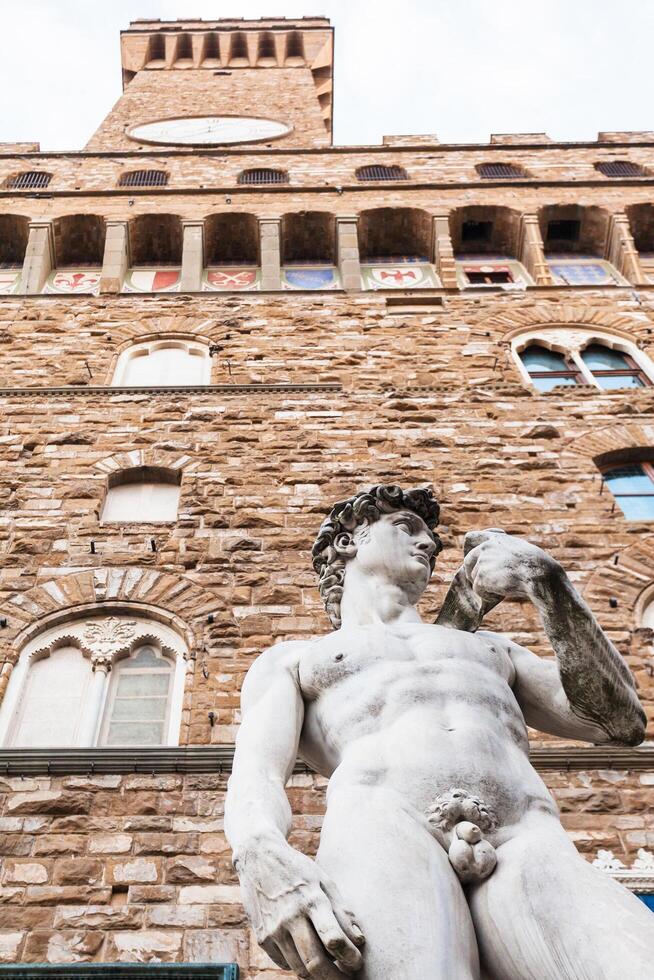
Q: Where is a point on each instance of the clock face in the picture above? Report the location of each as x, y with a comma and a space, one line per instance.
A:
208, 130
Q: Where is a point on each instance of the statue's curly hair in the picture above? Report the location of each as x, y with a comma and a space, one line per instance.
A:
364, 507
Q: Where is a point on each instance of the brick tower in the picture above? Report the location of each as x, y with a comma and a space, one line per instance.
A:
214, 324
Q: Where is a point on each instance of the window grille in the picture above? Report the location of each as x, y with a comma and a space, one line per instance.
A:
497, 171
263, 176
378, 172
620, 168
144, 178
31, 180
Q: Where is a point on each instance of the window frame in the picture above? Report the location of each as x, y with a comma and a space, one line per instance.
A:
572, 372
140, 476
186, 344
105, 719
571, 349
147, 629
635, 372
647, 468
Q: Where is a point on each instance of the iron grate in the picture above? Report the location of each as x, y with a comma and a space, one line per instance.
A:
30, 180
144, 178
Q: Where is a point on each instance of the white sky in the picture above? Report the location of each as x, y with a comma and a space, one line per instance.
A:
462, 69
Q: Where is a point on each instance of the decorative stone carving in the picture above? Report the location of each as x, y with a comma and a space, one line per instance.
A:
102, 660
110, 635
607, 861
644, 861
397, 712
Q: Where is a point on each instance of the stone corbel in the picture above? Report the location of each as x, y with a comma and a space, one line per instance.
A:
192, 256
621, 250
443, 252
347, 247
531, 251
39, 257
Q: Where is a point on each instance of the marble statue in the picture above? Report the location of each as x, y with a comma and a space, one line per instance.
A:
441, 853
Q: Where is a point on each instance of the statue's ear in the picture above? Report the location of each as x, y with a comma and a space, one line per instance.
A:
344, 545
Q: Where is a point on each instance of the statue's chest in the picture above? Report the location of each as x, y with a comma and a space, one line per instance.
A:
384, 650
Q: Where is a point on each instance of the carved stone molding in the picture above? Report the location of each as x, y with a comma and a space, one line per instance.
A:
218, 759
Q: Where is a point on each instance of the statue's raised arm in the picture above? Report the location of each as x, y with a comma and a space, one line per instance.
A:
590, 694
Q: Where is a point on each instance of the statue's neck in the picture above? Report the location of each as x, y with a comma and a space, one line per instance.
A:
372, 598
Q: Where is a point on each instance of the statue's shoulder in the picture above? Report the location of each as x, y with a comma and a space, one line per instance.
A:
282, 656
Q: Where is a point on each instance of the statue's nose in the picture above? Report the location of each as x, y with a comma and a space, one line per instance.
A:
428, 546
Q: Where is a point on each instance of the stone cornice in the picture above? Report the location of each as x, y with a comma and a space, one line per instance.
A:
218, 759
91, 390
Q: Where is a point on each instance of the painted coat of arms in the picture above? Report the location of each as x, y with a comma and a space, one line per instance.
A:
73, 282
228, 279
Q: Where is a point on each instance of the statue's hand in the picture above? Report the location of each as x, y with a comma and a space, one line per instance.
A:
297, 913
499, 565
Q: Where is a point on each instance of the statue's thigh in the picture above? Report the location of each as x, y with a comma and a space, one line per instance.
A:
401, 887
546, 914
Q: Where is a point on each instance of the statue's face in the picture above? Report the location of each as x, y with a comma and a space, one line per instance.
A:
398, 546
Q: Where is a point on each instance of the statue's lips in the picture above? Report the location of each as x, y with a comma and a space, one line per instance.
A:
423, 559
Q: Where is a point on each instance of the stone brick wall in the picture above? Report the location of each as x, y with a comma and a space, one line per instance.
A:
137, 867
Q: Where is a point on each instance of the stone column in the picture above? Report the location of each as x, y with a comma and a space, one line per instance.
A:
270, 244
115, 261
192, 256
39, 257
621, 250
531, 251
347, 249
443, 252
101, 664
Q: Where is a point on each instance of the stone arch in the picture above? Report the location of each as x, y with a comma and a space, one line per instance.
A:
628, 573
507, 324
629, 436
146, 458
164, 327
107, 590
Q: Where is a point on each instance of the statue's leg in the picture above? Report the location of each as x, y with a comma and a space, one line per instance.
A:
546, 914
398, 881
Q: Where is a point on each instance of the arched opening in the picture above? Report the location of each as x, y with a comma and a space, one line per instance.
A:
575, 240
156, 254
231, 241
381, 172
309, 250
294, 49
79, 249
262, 175
28, 180
143, 178
500, 171
172, 362
113, 677
396, 248
486, 240
557, 356
142, 494
641, 222
266, 54
14, 232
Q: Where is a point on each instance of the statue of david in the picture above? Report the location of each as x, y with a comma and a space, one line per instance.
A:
441, 854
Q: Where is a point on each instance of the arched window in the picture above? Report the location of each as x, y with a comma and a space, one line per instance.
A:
29, 180
548, 368
555, 356
142, 494
613, 369
143, 178
632, 485
620, 168
113, 679
139, 699
499, 171
263, 175
381, 172
166, 363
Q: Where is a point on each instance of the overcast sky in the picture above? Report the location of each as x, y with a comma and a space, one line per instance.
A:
462, 69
